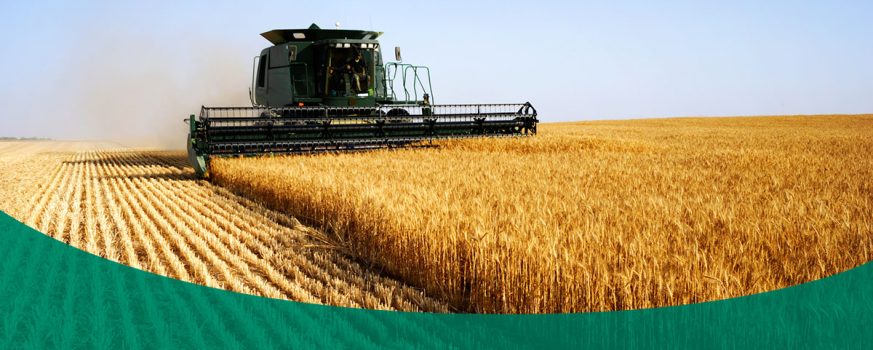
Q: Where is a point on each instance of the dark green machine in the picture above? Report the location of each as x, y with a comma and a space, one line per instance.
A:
328, 90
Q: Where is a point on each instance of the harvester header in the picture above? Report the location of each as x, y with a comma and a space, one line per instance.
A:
329, 90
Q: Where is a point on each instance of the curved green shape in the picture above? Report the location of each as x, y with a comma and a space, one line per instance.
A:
197, 161
55, 296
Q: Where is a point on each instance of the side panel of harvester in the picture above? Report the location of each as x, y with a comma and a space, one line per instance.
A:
284, 75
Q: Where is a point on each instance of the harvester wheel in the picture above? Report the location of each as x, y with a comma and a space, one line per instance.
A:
394, 113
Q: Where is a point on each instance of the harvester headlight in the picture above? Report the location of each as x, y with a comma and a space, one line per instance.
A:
347, 45
338, 45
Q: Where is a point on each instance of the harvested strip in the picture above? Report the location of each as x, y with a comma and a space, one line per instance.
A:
146, 210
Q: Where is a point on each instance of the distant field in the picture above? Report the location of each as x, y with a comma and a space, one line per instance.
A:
594, 216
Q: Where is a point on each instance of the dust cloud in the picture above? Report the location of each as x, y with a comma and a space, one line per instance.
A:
136, 91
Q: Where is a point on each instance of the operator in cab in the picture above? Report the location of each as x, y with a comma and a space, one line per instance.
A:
357, 70
335, 80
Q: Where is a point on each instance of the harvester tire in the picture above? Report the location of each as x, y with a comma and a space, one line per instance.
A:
394, 113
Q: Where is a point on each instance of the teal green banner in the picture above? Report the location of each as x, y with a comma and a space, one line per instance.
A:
55, 296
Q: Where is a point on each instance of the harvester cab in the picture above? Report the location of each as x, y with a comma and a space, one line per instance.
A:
315, 67
329, 90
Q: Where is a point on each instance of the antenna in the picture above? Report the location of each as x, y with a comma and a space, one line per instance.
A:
337, 25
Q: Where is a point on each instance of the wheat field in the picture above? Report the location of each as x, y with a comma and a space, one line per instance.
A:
145, 209
593, 216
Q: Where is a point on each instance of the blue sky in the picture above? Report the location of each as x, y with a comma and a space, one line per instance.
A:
133, 70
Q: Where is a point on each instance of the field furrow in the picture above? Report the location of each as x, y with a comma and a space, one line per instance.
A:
42, 219
232, 237
115, 220
69, 208
213, 250
41, 197
167, 228
104, 234
310, 264
250, 245
135, 219
145, 209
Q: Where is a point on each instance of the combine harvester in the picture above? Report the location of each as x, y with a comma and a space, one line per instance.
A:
328, 90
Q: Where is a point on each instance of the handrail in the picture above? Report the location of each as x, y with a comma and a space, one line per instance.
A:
252, 87
390, 74
417, 79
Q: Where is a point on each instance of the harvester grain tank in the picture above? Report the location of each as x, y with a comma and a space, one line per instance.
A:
329, 90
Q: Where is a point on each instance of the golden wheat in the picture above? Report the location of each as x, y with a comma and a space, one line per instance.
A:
594, 216
146, 210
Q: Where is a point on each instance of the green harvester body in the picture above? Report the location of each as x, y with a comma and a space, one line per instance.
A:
329, 90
